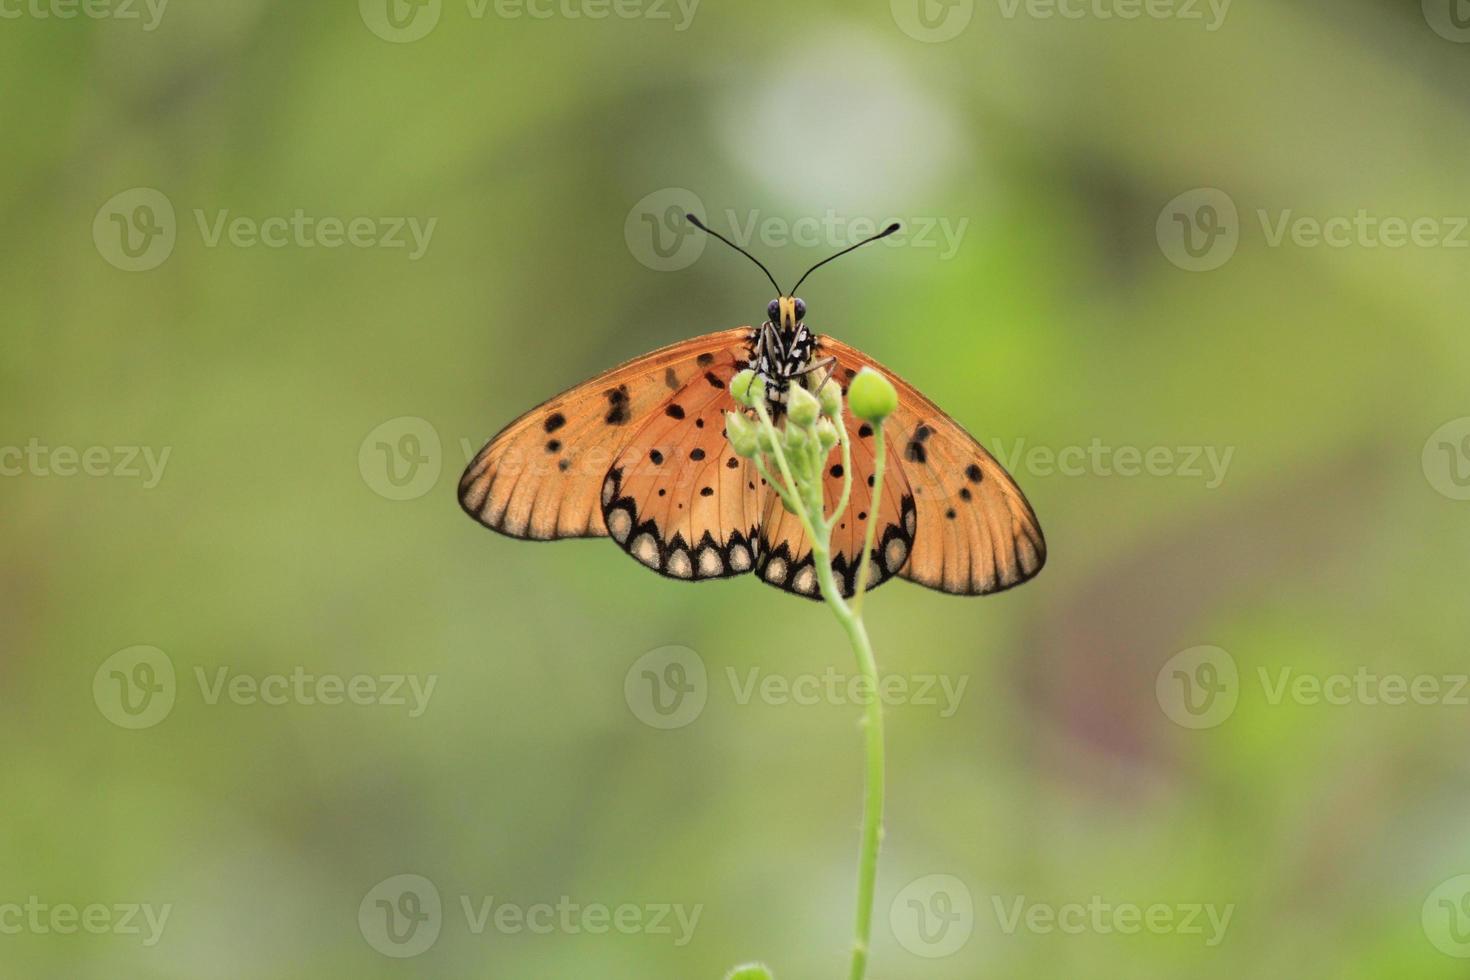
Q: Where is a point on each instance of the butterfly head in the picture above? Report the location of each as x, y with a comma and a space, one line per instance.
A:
786, 313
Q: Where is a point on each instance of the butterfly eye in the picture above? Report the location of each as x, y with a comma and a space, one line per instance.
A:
773, 312
800, 310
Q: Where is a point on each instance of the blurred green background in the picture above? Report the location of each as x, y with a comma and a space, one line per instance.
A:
1119, 254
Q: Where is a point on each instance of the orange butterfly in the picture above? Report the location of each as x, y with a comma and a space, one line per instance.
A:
639, 454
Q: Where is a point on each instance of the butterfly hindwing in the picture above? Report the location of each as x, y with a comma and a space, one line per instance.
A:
542, 476
974, 531
677, 498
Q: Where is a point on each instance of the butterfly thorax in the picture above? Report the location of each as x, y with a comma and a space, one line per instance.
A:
781, 357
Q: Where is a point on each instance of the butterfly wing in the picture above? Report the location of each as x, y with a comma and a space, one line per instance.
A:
543, 476
677, 498
786, 560
974, 531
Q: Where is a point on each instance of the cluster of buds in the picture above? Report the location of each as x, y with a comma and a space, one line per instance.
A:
810, 417
813, 427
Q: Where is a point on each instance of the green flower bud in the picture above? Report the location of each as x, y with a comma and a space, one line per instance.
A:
871, 396
748, 388
826, 433
802, 406
742, 433
830, 395
750, 971
763, 440
795, 439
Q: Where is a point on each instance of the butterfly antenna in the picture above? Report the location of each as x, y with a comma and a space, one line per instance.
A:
700, 225
882, 234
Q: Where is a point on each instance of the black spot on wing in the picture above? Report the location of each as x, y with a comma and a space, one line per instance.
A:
555, 421
617, 406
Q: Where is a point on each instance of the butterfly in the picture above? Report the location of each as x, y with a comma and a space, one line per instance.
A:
639, 454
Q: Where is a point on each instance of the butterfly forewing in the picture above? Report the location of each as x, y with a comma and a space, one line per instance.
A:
974, 531
543, 475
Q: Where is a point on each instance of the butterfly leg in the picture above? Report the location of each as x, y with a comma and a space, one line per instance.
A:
830, 363
771, 341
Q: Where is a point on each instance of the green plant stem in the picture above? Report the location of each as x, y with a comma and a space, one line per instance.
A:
804, 496
857, 632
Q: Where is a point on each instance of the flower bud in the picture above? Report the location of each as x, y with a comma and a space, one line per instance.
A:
742, 432
826, 433
763, 440
795, 438
871, 396
748, 388
830, 395
802, 406
749, 971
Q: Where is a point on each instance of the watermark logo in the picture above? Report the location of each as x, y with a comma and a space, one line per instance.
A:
400, 21
658, 234
932, 21
1446, 917
572, 918
404, 21
401, 916
943, 692
302, 687
660, 237
1199, 230
36, 459
135, 688
667, 688
1198, 687
1211, 13
40, 918
1104, 917
1207, 464
933, 917
1450, 19
136, 229
400, 459
670, 687
148, 12
1446, 459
